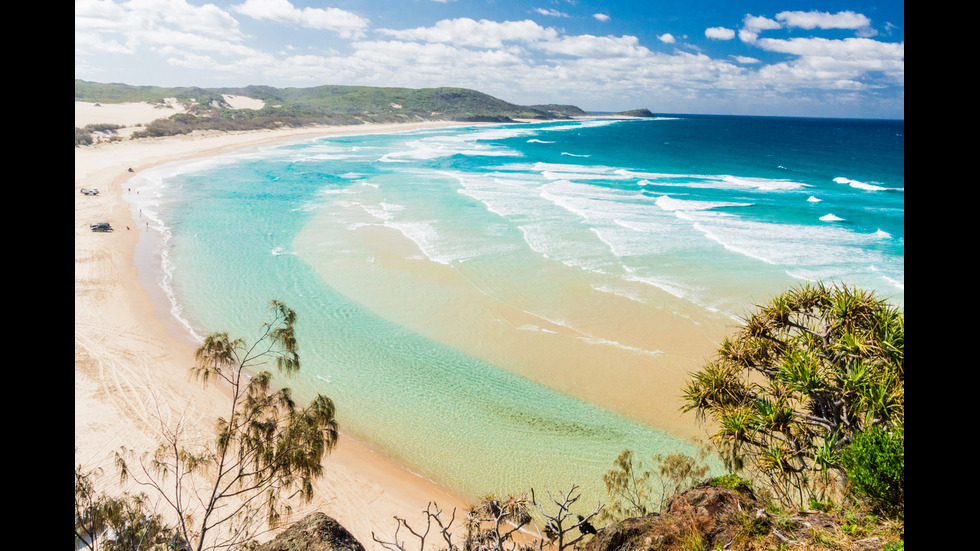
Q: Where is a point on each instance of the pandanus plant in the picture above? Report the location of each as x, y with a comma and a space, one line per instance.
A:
806, 373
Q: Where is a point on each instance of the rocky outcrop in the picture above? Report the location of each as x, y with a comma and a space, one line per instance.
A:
706, 517
695, 514
645, 113
315, 532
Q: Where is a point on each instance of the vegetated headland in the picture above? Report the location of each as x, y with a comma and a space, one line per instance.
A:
208, 108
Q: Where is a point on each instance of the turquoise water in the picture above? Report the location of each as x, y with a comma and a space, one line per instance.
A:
693, 217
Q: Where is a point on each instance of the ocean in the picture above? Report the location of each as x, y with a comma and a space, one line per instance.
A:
508, 306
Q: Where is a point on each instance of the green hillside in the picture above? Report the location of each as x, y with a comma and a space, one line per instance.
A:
368, 104
319, 105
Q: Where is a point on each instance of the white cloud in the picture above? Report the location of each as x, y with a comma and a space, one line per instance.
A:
207, 19
90, 43
601, 17
136, 16
849, 48
344, 23
468, 32
852, 63
745, 60
823, 20
589, 46
667, 38
719, 33
551, 12
752, 25
166, 27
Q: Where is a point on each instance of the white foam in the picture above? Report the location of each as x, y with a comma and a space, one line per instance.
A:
795, 246
763, 184
551, 175
813, 199
672, 288
564, 167
896, 283
831, 217
859, 185
712, 181
530, 327
606, 342
668, 203
425, 236
382, 211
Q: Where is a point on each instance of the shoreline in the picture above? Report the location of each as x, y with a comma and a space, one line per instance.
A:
131, 370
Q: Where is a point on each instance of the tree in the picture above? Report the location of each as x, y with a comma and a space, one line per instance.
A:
108, 523
631, 490
432, 514
491, 525
497, 524
805, 374
265, 453
560, 531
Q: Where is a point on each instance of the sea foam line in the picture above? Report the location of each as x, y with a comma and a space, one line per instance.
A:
152, 191
607, 342
858, 185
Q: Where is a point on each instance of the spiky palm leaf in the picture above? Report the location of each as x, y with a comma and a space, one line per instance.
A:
802, 375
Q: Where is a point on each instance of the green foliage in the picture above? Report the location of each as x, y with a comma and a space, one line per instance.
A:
818, 505
807, 372
679, 472
645, 113
731, 481
318, 105
631, 489
875, 464
124, 93
83, 136
103, 522
267, 452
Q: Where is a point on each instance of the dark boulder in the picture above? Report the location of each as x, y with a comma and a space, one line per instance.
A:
314, 532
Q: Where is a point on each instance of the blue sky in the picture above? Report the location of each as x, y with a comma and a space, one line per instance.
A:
822, 58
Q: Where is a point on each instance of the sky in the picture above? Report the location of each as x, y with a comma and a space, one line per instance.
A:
819, 58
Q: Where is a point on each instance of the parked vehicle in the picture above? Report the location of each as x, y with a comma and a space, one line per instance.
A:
92, 191
101, 226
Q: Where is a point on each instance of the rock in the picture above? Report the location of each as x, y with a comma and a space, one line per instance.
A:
708, 512
645, 113
314, 532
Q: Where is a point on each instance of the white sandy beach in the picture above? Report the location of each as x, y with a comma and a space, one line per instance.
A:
131, 372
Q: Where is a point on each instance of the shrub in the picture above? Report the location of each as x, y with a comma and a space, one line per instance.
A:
731, 482
82, 137
875, 466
